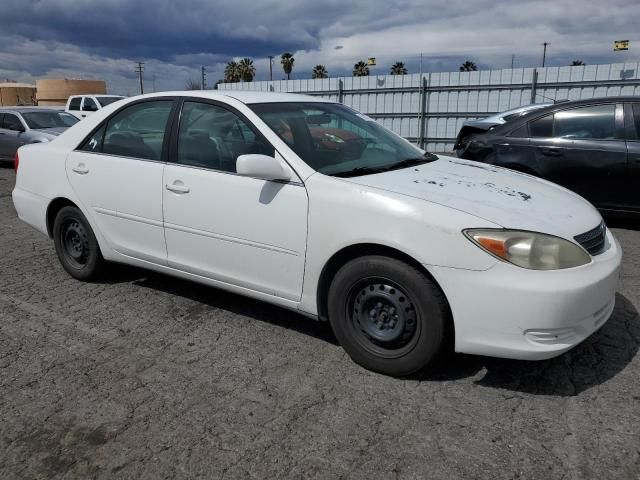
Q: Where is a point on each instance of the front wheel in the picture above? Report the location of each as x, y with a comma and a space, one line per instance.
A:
388, 316
76, 245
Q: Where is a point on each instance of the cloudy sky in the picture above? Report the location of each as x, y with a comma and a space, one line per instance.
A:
104, 38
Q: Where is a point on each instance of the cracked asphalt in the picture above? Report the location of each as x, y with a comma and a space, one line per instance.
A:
146, 376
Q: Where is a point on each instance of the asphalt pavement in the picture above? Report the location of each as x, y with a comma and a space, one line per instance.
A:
147, 376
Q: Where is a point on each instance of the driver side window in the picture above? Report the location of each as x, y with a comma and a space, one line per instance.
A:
213, 137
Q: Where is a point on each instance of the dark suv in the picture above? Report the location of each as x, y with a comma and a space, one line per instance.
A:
589, 146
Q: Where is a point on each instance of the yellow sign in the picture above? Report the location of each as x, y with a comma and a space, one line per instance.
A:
620, 45
371, 61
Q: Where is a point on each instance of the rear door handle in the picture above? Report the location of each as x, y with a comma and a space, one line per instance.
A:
177, 188
80, 169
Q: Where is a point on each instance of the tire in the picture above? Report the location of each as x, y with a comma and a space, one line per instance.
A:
76, 245
387, 315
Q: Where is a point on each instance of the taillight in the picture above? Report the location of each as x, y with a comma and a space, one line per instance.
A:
16, 162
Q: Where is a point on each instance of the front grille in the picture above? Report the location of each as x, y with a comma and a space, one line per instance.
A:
593, 240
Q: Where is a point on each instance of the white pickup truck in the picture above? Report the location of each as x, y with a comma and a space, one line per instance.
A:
83, 105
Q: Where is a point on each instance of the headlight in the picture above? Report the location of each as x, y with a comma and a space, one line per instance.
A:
535, 251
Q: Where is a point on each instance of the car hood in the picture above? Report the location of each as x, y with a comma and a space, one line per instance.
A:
501, 196
50, 132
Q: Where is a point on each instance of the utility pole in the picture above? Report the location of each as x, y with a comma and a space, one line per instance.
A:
544, 53
270, 67
513, 57
139, 70
203, 74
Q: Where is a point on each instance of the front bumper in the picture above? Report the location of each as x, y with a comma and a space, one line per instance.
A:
512, 312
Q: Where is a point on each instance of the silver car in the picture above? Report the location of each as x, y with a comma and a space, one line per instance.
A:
22, 125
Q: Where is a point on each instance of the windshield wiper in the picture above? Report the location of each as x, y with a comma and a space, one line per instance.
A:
355, 172
410, 162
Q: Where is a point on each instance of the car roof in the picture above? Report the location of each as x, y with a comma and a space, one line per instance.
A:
26, 109
97, 95
243, 96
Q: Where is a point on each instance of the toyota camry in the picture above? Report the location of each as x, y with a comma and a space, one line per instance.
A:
310, 205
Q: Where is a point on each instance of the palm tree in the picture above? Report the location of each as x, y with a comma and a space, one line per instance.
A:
468, 66
319, 71
191, 84
398, 68
287, 62
246, 70
575, 63
360, 69
232, 72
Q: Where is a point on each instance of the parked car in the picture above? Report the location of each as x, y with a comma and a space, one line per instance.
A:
82, 105
471, 127
22, 125
403, 252
589, 146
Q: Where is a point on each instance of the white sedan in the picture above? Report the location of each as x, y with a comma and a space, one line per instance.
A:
307, 204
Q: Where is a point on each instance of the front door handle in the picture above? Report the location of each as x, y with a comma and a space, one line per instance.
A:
551, 151
177, 188
80, 169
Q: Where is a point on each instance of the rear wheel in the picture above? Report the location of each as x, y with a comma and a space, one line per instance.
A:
387, 315
76, 244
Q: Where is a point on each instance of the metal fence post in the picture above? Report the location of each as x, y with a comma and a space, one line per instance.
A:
423, 109
340, 90
534, 85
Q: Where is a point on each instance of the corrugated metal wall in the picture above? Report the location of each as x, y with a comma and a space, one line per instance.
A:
433, 110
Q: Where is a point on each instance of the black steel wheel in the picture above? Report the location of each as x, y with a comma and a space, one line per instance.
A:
389, 316
76, 244
382, 317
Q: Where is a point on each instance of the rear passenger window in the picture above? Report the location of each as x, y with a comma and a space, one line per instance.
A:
75, 103
138, 131
595, 122
542, 127
213, 137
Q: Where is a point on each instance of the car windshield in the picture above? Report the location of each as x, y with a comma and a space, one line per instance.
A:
49, 119
104, 101
336, 140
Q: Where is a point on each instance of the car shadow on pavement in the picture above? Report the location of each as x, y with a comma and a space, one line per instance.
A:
220, 299
599, 358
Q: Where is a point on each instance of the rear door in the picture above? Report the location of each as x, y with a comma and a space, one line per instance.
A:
117, 174
583, 149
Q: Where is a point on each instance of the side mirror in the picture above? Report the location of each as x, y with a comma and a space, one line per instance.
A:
261, 166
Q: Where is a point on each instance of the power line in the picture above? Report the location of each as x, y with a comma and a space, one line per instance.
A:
139, 69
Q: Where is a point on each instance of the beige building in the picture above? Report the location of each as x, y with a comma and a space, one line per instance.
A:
16, 94
57, 91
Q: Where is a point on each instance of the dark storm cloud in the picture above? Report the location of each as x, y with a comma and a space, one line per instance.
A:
102, 38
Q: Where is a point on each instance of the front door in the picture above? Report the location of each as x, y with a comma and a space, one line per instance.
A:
117, 175
12, 135
241, 231
584, 150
